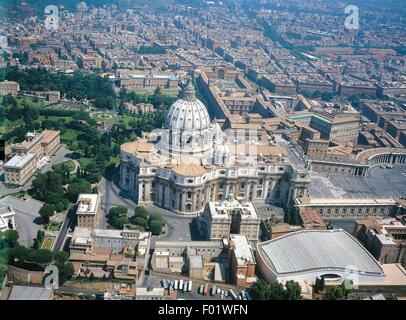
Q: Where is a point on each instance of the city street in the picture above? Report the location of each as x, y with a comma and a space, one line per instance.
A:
67, 224
60, 156
27, 218
178, 227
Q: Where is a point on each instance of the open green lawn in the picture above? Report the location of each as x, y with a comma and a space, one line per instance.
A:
9, 125
47, 243
127, 118
84, 162
69, 135
170, 92
100, 117
68, 163
30, 101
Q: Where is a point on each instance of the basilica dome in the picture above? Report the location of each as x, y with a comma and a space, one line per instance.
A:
187, 114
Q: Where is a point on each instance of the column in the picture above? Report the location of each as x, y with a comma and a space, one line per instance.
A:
247, 189
266, 188
227, 190
140, 190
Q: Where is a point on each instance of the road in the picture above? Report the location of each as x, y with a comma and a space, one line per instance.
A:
178, 227
60, 156
111, 197
27, 218
78, 291
67, 224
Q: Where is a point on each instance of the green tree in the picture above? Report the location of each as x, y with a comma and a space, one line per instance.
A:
37, 244
156, 217
319, 285
11, 237
155, 227
260, 290
66, 271
140, 212
276, 291
47, 211
140, 222
337, 292
61, 257
54, 198
293, 290
92, 173
20, 253
117, 217
78, 173
119, 210
59, 206
40, 235
78, 187
42, 257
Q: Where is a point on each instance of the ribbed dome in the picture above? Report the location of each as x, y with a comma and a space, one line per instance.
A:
188, 113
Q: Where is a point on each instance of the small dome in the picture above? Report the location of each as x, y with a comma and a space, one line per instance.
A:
188, 113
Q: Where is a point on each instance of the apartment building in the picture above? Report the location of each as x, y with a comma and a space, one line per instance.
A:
242, 261
138, 79
9, 87
88, 210
222, 218
336, 126
280, 84
45, 143
20, 168
384, 238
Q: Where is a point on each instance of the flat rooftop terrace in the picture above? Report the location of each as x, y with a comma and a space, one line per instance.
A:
381, 184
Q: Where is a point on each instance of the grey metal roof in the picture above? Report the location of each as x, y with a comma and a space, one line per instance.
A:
318, 249
30, 293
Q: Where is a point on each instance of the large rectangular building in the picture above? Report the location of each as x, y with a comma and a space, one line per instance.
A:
45, 143
20, 168
88, 210
242, 261
9, 87
222, 218
336, 126
138, 79
385, 239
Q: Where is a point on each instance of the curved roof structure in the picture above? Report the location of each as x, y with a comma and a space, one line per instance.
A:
318, 250
187, 114
366, 155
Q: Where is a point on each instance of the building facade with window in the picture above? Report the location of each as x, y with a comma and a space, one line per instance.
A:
191, 161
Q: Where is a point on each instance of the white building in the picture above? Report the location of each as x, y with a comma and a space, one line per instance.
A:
85, 239
222, 218
20, 168
88, 210
7, 216
306, 255
191, 161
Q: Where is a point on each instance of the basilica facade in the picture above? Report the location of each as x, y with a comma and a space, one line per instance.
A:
192, 161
